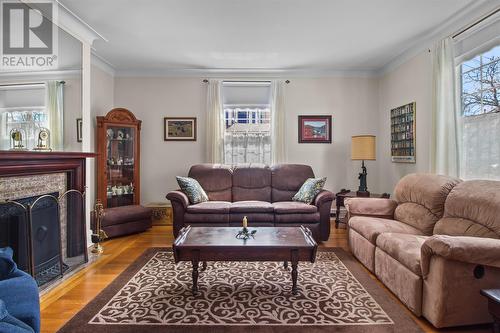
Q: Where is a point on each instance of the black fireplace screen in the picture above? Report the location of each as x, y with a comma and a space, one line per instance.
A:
40, 231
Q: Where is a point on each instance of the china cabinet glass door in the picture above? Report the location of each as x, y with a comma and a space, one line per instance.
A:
120, 166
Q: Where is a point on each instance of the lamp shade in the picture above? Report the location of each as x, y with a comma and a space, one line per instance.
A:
363, 147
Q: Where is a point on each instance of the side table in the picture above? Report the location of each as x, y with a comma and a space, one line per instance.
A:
343, 194
493, 296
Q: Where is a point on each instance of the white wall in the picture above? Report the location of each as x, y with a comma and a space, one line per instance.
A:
410, 82
351, 101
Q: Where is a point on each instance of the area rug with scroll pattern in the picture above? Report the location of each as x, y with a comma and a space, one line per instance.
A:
154, 295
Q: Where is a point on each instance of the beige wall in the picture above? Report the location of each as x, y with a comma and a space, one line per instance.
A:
358, 105
351, 101
353, 104
151, 99
410, 82
101, 101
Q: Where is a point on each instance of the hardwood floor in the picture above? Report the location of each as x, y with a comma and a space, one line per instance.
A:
63, 302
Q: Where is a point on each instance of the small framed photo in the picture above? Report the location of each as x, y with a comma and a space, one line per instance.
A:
79, 132
315, 129
179, 129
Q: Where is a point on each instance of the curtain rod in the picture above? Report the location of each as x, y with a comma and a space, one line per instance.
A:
243, 81
27, 84
470, 26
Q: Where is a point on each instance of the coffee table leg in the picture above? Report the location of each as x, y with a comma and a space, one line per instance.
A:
295, 261
285, 264
204, 268
294, 278
195, 275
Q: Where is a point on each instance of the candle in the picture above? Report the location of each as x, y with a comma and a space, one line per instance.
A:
245, 222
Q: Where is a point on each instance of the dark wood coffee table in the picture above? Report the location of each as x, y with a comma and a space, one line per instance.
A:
202, 244
493, 296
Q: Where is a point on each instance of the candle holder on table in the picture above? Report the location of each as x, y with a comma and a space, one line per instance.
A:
244, 233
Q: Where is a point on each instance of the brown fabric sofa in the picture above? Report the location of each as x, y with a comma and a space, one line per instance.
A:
263, 194
435, 246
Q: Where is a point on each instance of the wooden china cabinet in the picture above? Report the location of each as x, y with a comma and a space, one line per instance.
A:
118, 146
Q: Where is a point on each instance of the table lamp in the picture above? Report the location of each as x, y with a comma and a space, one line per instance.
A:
363, 148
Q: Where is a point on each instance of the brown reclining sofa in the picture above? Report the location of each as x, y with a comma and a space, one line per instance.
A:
262, 193
435, 246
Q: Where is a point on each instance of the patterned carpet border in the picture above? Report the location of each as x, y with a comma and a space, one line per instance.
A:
104, 306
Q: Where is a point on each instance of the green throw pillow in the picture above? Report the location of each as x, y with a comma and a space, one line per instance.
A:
192, 189
309, 190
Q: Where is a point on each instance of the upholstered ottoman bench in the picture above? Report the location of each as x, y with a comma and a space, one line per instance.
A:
124, 220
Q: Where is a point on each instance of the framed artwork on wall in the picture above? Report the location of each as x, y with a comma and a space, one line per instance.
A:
79, 135
403, 133
179, 129
315, 129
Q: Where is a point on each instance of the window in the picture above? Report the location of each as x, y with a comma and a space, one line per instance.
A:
480, 116
22, 107
247, 116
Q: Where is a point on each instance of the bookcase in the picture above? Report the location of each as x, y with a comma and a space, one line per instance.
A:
403, 133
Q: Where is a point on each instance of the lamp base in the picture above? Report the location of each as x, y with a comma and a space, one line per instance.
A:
362, 194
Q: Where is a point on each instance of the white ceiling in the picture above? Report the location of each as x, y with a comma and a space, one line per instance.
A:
260, 34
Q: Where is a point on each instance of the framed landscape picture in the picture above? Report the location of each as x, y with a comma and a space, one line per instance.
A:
179, 129
315, 129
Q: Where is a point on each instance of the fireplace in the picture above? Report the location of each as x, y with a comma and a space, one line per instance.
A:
32, 228
42, 213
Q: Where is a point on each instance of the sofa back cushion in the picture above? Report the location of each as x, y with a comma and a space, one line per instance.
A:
216, 180
472, 209
421, 199
251, 182
287, 180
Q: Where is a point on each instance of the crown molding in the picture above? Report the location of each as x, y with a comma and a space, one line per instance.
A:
426, 40
77, 27
41, 75
244, 73
102, 63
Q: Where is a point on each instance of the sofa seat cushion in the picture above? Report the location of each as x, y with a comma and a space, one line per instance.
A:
296, 218
210, 207
404, 248
371, 227
251, 206
125, 214
293, 207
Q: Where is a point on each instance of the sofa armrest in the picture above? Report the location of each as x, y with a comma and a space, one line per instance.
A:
178, 196
322, 197
376, 207
472, 250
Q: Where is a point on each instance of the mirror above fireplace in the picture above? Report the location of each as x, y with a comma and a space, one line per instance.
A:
31, 100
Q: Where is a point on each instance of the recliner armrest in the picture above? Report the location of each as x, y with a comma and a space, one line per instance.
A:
323, 196
472, 250
376, 207
178, 196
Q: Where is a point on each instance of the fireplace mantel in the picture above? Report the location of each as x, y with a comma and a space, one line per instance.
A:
19, 163
35, 155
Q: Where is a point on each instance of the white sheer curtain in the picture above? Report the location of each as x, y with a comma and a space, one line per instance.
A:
277, 122
54, 102
446, 129
252, 146
215, 122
